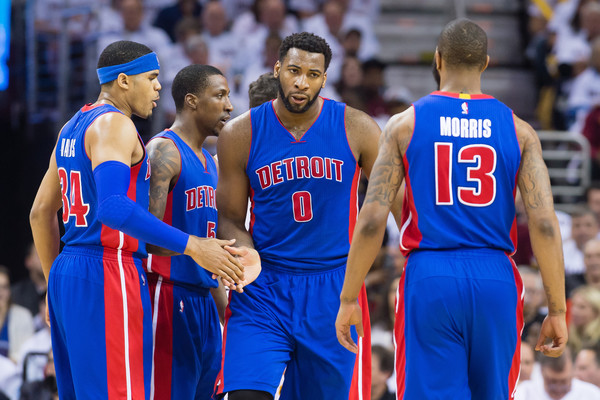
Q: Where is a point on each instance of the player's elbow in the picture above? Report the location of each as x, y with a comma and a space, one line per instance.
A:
546, 227
114, 211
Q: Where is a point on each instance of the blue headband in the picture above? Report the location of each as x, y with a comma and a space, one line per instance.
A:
148, 62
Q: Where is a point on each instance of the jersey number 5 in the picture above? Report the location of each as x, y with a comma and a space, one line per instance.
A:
73, 206
484, 158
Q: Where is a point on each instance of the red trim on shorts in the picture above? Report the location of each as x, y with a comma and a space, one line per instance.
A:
399, 337
163, 344
220, 381
360, 389
515, 368
116, 366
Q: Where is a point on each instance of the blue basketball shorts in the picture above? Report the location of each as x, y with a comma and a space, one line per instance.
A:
285, 321
187, 341
101, 324
459, 317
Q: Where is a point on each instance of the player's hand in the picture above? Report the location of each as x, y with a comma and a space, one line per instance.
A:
210, 254
250, 259
554, 328
349, 314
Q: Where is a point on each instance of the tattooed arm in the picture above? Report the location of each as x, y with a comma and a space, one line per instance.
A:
544, 232
384, 182
165, 166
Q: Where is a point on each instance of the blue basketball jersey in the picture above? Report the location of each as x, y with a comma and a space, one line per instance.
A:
78, 187
191, 207
461, 172
303, 192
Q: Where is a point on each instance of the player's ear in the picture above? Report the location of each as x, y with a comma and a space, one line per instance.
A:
277, 69
487, 62
324, 79
191, 100
123, 81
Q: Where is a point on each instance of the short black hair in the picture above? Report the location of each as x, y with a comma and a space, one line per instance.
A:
308, 42
463, 43
191, 79
262, 90
122, 52
386, 358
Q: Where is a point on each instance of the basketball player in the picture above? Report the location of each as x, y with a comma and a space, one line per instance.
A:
263, 89
97, 295
459, 307
299, 158
187, 332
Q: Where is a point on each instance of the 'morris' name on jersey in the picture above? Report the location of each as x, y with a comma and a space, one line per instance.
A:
298, 168
465, 127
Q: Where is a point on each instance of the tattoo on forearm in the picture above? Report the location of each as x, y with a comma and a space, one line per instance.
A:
387, 174
534, 184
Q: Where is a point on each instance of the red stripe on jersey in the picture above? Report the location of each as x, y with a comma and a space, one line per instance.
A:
513, 228
410, 235
135, 311
353, 207
515, 368
163, 338
399, 337
360, 387
252, 215
220, 381
114, 332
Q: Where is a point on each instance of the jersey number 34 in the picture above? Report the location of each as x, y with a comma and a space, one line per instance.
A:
72, 200
481, 172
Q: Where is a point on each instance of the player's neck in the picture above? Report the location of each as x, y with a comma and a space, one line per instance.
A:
461, 82
120, 104
188, 132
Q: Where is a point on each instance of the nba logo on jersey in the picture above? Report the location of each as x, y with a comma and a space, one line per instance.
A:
465, 107
180, 306
143, 280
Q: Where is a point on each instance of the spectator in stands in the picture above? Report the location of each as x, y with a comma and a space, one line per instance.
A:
591, 130
222, 47
591, 260
587, 364
368, 9
43, 389
374, 86
584, 226
16, 322
168, 17
584, 327
109, 18
558, 382
585, 93
349, 87
382, 368
527, 361
317, 23
40, 343
26, 292
533, 304
134, 29
197, 50
10, 379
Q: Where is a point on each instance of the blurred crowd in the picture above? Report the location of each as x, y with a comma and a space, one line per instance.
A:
242, 37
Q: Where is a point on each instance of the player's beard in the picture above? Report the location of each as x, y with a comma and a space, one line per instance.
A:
288, 104
436, 74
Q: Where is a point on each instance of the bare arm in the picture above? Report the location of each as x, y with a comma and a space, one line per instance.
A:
165, 164
384, 182
233, 149
386, 177
43, 218
220, 297
544, 232
364, 135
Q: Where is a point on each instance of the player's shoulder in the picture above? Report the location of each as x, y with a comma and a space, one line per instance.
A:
401, 123
358, 122
112, 123
159, 145
239, 127
525, 132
